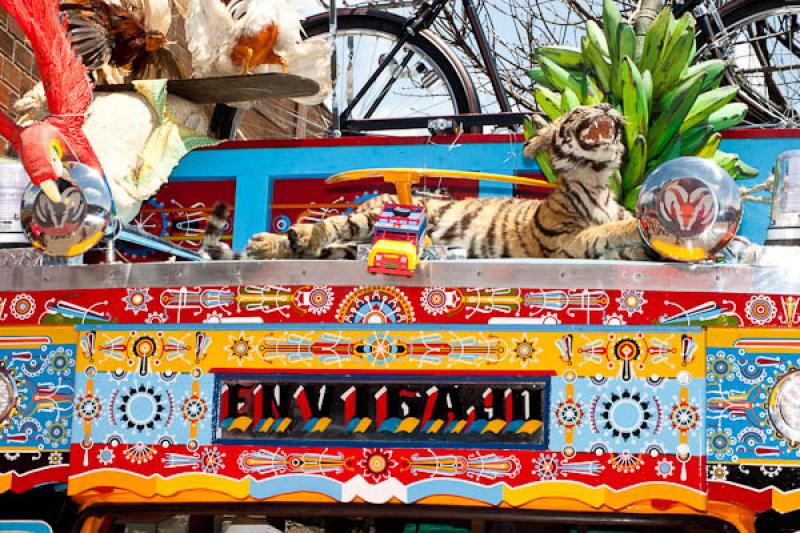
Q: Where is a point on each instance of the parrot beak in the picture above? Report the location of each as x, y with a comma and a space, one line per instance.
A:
50, 188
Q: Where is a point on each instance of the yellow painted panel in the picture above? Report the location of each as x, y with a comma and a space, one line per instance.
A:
36, 336
755, 340
584, 353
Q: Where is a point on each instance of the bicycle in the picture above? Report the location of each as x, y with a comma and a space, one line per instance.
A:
407, 63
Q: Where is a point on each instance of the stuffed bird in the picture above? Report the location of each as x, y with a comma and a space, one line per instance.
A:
44, 144
247, 36
108, 34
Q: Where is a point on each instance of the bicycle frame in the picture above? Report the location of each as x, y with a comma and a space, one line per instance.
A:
422, 19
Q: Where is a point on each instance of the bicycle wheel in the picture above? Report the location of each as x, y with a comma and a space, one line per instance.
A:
423, 79
762, 42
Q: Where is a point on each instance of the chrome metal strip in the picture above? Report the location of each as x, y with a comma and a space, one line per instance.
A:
539, 273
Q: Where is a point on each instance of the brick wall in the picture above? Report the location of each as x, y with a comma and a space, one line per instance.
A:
17, 67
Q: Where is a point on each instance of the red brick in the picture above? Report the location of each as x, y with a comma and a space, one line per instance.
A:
12, 75
27, 83
23, 57
15, 30
5, 95
6, 43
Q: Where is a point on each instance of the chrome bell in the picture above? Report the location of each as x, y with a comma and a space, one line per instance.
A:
689, 209
76, 224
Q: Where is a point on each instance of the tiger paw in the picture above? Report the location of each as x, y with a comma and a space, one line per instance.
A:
266, 246
299, 236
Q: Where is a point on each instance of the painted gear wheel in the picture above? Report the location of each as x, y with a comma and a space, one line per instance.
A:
23, 306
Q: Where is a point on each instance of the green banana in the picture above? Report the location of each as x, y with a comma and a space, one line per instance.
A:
714, 69
626, 46
647, 83
669, 121
567, 57
728, 116
726, 160
711, 146
694, 139
707, 103
548, 101
672, 99
611, 21
592, 94
685, 23
743, 170
636, 163
536, 74
626, 40
543, 159
558, 77
528, 129
598, 63
654, 40
632, 198
569, 101
598, 39
634, 101
674, 64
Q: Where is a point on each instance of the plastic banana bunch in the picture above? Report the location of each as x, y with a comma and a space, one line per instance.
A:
672, 108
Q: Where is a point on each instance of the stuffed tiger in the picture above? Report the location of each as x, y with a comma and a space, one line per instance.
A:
579, 219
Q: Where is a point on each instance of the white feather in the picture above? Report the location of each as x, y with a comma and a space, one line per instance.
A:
157, 15
209, 29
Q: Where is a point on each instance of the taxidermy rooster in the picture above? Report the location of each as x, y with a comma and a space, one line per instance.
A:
108, 34
246, 36
44, 144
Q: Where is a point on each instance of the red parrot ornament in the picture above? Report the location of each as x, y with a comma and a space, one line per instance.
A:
44, 145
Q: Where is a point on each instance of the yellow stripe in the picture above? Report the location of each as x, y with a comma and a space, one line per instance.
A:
459, 427
407, 425
283, 425
362, 425
600, 496
530, 427
240, 423
321, 425
494, 426
436, 426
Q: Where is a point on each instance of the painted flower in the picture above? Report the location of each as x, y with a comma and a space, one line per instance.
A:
717, 472
665, 468
631, 301
377, 464
105, 456
55, 458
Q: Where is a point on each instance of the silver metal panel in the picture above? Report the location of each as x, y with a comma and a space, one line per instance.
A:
540, 273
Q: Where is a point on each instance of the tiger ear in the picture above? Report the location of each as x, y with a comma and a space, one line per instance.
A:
543, 140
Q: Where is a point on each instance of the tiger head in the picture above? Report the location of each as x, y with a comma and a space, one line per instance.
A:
583, 143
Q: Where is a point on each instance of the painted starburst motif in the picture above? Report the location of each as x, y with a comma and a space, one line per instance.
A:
240, 348
631, 302
136, 300
526, 350
377, 464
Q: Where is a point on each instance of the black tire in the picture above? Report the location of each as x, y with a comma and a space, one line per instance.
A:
452, 72
773, 104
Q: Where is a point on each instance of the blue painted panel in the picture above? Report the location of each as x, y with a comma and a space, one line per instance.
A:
255, 170
41, 382
150, 409
634, 416
26, 526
